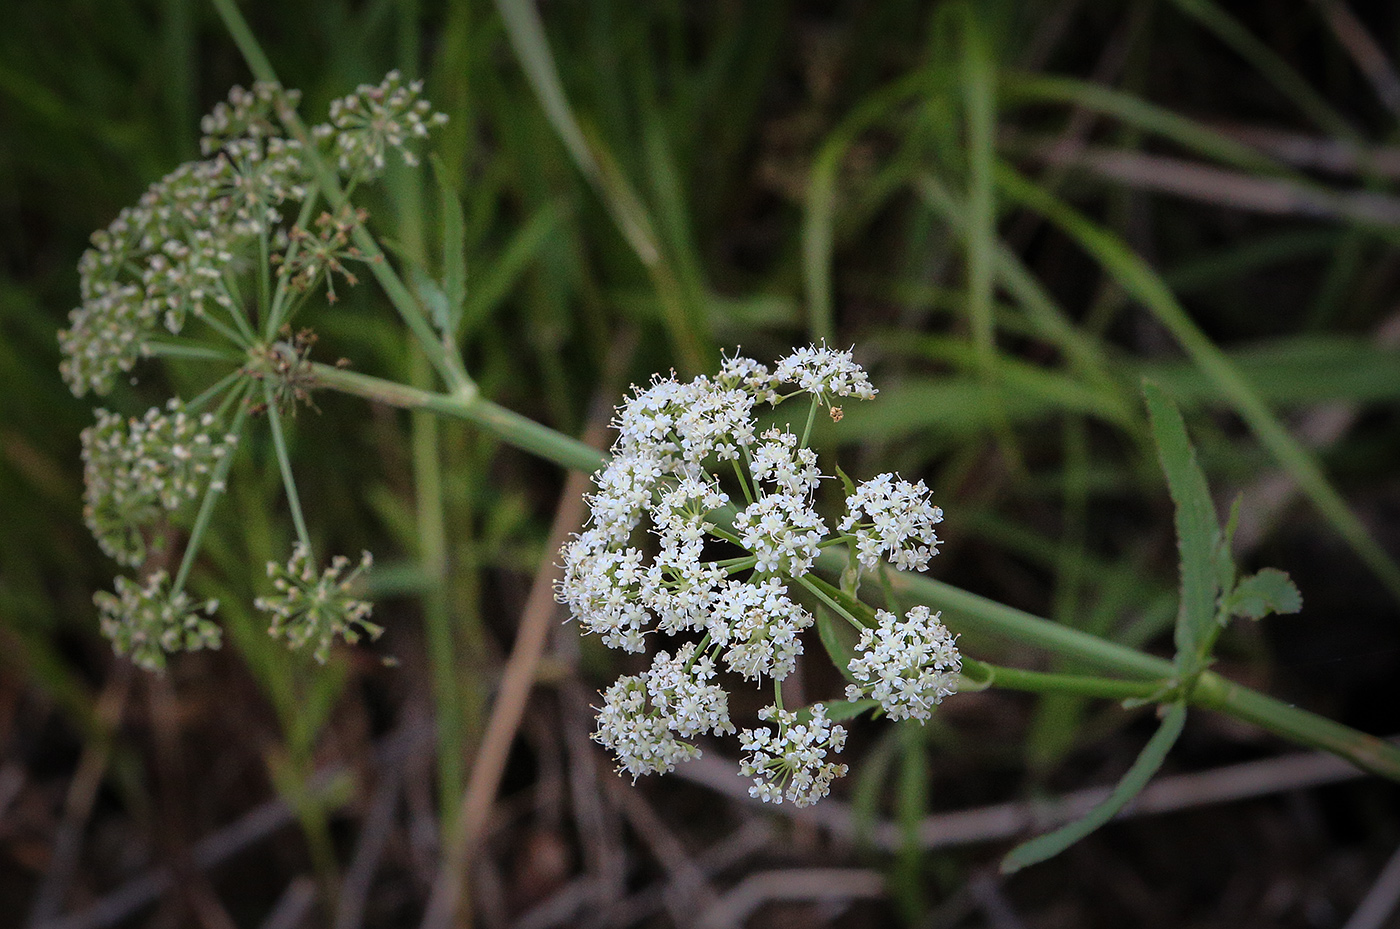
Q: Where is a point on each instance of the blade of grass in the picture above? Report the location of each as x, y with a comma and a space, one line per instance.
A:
1141, 282
527, 37
1270, 65
1147, 763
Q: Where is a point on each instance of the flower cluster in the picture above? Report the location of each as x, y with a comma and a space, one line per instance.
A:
312, 607
907, 665
894, 519
147, 621
200, 245
700, 524
372, 120
792, 762
137, 470
180, 250
645, 717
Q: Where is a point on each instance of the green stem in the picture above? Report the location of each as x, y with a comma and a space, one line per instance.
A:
284, 462
206, 506
264, 277
183, 350
437, 616
443, 356
209, 394
279, 310
743, 482
989, 675
522, 432
1367, 752
811, 418
815, 586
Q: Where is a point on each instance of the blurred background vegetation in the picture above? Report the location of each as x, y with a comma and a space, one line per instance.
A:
1014, 211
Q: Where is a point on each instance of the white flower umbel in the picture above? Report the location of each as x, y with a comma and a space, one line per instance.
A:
680, 689
907, 664
643, 715
792, 762
148, 621
607, 590
664, 552
778, 460
893, 518
638, 736
136, 470
312, 607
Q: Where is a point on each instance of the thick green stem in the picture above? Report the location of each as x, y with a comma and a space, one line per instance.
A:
1367, 752
522, 432
984, 675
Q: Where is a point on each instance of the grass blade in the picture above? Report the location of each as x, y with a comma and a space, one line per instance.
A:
1144, 285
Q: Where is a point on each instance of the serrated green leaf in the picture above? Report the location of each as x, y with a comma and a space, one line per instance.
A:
1269, 591
1148, 761
1196, 527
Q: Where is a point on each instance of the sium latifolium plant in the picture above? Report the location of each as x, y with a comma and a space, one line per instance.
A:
217, 262
705, 532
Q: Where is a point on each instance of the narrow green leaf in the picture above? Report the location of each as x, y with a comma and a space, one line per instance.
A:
1051, 844
454, 251
1269, 591
838, 639
503, 270
1196, 525
1225, 570
1270, 64
841, 710
1140, 281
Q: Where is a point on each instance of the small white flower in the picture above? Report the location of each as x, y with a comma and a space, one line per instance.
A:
639, 739
248, 114
317, 607
105, 336
607, 590
908, 665
777, 459
746, 374
825, 372
893, 518
684, 590
792, 763
680, 689
625, 487
148, 621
